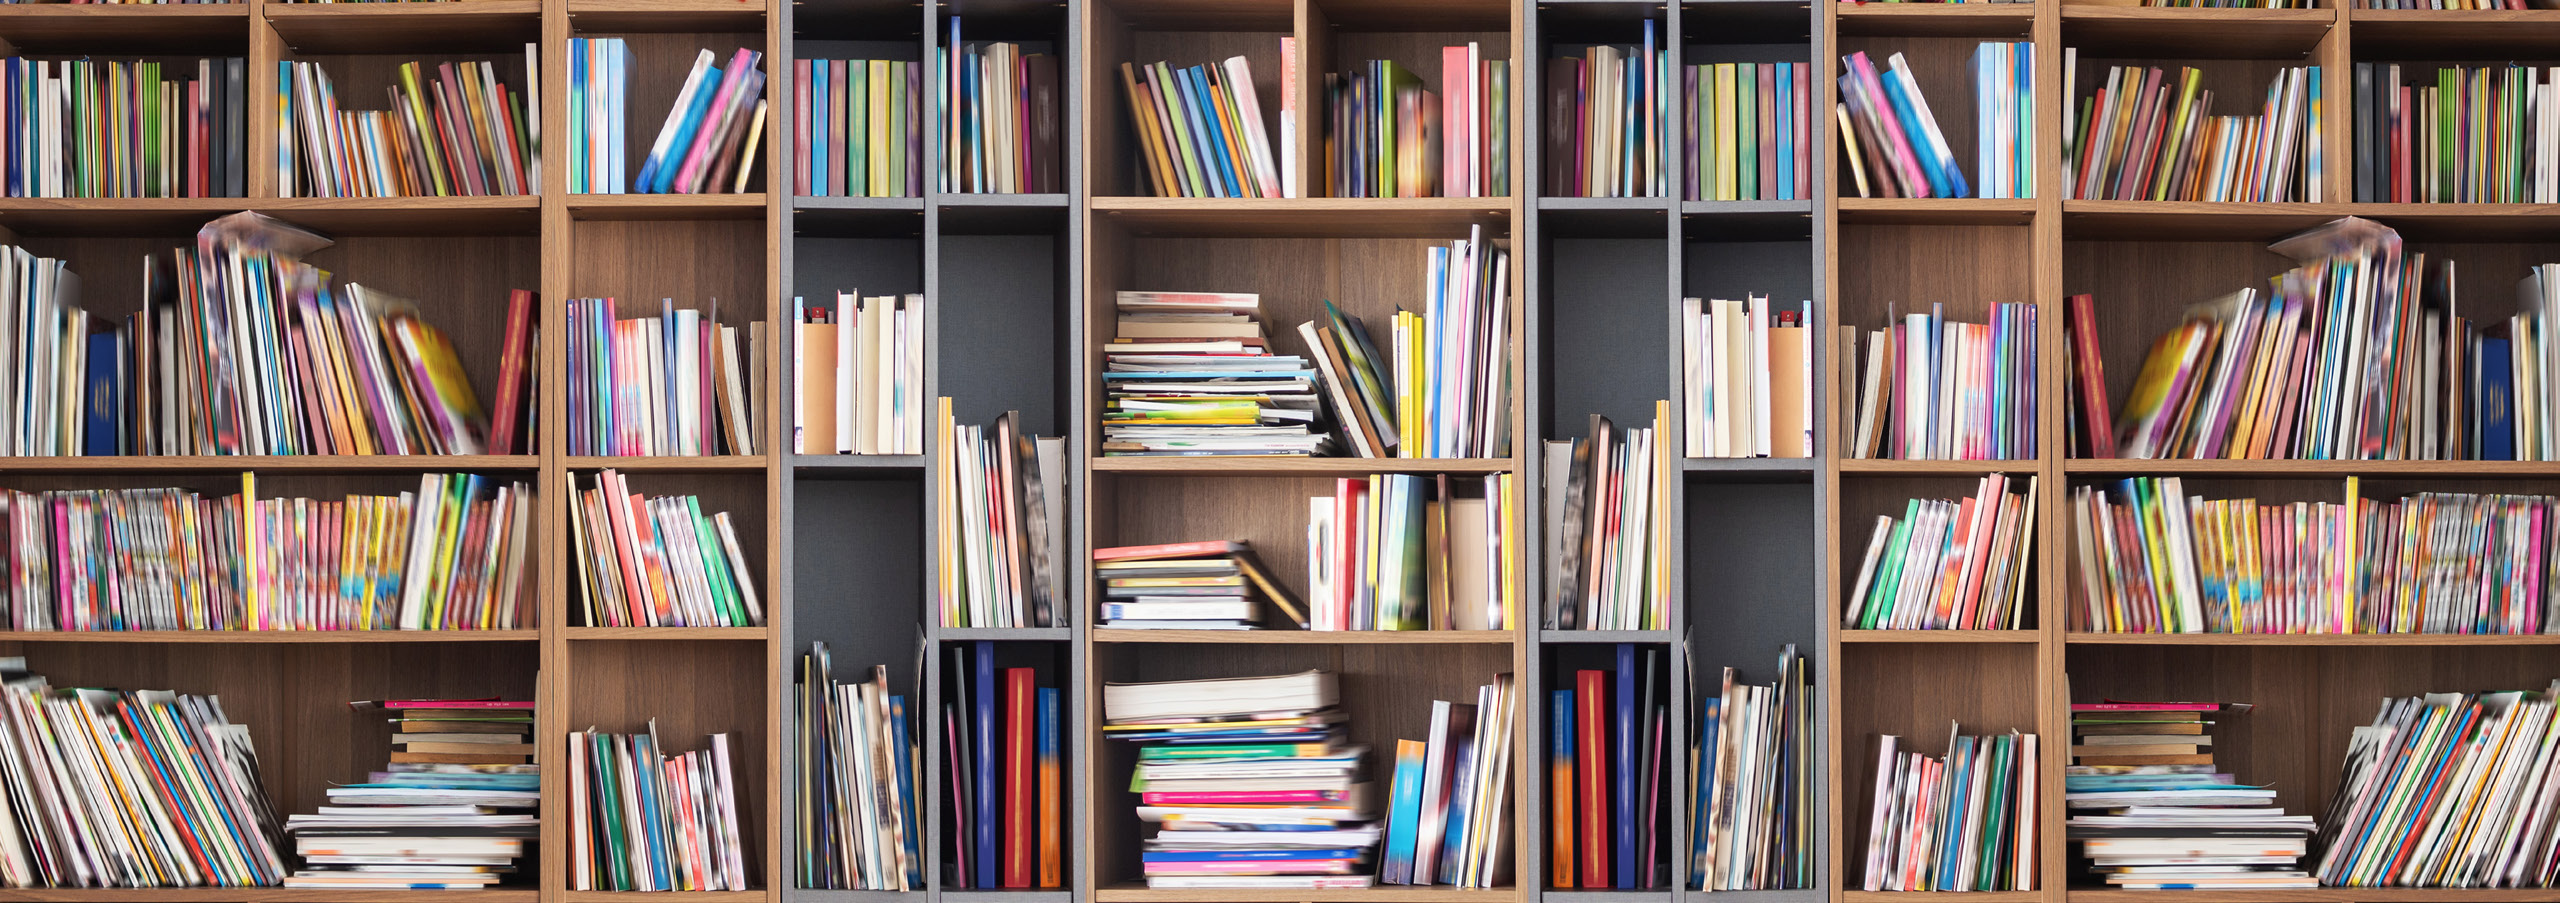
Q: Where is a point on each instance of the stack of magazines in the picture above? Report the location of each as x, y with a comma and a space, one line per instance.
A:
1192, 374
446, 825
2152, 812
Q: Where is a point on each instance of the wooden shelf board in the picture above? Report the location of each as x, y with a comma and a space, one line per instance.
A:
2263, 467
2081, 638
736, 634
2207, 220
1308, 637
268, 463
610, 16
270, 636
1941, 636
666, 463
2194, 32
490, 25
1937, 20
2475, 34
1287, 466
663, 207
2333, 895
1936, 211
180, 217
1935, 467
127, 28
1131, 893
1305, 217
257, 895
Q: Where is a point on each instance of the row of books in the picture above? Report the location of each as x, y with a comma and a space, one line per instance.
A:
1004, 735
2486, 817
1752, 784
2152, 559
1249, 782
1606, 111
2142, 136
1609, 516
1605, 766
1749, 134
2151, 810
1950, 564
2004, 104
1201, 131
1746, 379
1443, 388
1390, 136
1964, 821
1001, 534
642, 819
1204, 585
861, 375
1450, 794
1413, 552
854, 128
454, 809
1192, 373
128, 789
181, 136
658, 562
453, 555
854, 797
1894, 146
1935, 389
453, 130
1001, 133
678, 383
2480, 135
707, 145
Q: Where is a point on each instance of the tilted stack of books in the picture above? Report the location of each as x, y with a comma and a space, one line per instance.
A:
1212, 585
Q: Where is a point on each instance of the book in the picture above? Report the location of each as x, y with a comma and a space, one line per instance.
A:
1746, 378
854, 122
1950, 564
456, 129
669, 384
1002, 524
1612, 117
656, 562
2142, 134
1933, 388
1412, 552
861, 376
1747, 131
1387, 135
1001, 131
652, 820
172, 140
1963, 821
854, 744
1611, 560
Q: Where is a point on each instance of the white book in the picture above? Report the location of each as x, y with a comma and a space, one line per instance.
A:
880, 317
1759, 375
849, 371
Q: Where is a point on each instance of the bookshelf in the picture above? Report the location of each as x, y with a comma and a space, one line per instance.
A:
1019, 295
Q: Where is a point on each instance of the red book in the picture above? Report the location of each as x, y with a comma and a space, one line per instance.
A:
1238, 797
2096, 421
2119, 706
1019, 832
512, 373
1592, 697
1204, 548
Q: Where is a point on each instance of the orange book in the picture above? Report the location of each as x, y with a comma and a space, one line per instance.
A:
814, 427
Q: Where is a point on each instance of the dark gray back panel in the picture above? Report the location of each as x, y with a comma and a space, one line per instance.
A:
1606, 348
1001, 323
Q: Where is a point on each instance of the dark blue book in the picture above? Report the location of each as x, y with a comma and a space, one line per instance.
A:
105, 394
1622, 780
982, 722
2495, 400
1702, 795
1247, 855
906, 766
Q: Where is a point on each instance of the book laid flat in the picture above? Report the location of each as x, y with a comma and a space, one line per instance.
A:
456, 129
180, 136
641, 819
1983, 790
2140, 134
856, 748
454, 823
1950, 564
1747, 131
1609, 108
1414, 552
1209, 585
1746, 378
1933, 388
657, 562
1001, 123
671, 384
1002, 525
1193, 373
2153, 818
1607, 497
854, 128
861, 376
1002, 740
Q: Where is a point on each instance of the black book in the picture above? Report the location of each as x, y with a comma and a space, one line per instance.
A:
2367, 187
234, 127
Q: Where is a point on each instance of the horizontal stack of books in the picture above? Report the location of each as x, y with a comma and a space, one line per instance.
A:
644, 820
1746, 379
1606, 110
1938, 389
2140, 136
1192, 373
1963, 822
1749, 131
2151, 813
1751, 810
1894, 146
1201, 130
1611, 558
459, 731
854, 128
1414, 552
1007, 795
1210, 585
855, 796
455, 809
2497, 120
1444, 824
678, 383
1001, 126
453, 130
658, 562
2490, 823
861, 369
1950, 564
1248, 782
1605, 766
1389, 136
451, 556
184, 137
1001, 494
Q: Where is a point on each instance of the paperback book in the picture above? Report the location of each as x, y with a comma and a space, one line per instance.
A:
1964, 821
1201, 130
1950, 564
455, 129
656, 562
647, 820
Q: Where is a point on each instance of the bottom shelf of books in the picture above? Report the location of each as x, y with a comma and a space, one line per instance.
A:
668, 742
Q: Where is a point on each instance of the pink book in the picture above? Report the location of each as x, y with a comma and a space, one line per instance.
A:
1251, 867
1456, 99
1904, 157
1653, 799
1231, 797
706, 134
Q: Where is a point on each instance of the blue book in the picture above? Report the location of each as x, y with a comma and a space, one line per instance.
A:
1915, 133
1899, 78
1248, 855
577, 114
1701, 806
1453, 838
1622, 782
821, 106
1209, 140
662, 179
106, 395
982, 722
2494, 399
1786, 123
1403, 815
1960, 767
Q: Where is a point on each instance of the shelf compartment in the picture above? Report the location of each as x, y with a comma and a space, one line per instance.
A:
600, 16
2205, 32
121, 28
1308, 637
2526, 34
1303, 217
405, 27
2359, 640
269, 636
1941, 636
1937, 20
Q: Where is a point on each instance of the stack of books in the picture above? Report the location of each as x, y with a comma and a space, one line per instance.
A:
2490, 822
855, 793
2499, 116
644, 820
1414, 552
1935, 389
678, 383
202, 821
1605, 767
455, 130
421, 827
2153, 560
1752, 804
458, 731
861, 369
1002, 527
706, 145
2004, 105
1609, 514
1389, 136
1000, 124
1201, 131
1191, 373
854, 128
1748, 131
1894, 146
183, 137
1746, 379
1248, 782
1006, 791
1950, 564
2140, 136
658, 562
1966, 821
2150, 811
1209, 585
454, 555
1606, 110
1442, 388
1451, 791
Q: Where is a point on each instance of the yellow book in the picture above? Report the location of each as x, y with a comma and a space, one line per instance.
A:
442, 182
1727, 172
876, 83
